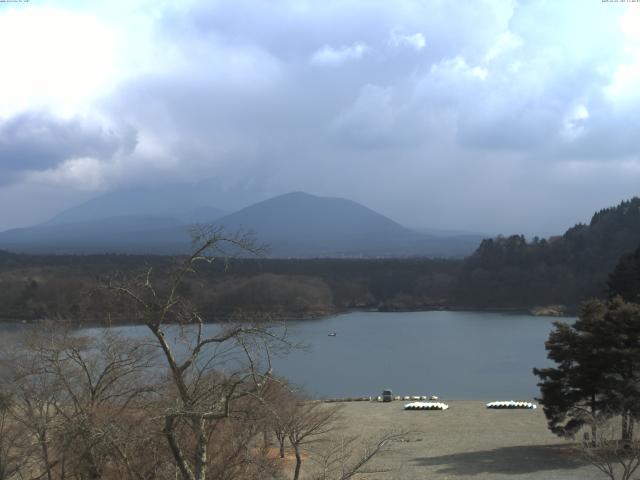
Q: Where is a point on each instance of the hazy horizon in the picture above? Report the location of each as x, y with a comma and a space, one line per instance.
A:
490, 117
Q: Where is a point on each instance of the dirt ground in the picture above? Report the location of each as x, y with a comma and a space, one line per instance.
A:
467, 441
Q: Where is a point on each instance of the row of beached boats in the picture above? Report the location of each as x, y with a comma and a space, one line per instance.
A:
512, 404
508, 404
426, 406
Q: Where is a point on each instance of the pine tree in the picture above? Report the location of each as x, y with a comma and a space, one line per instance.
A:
625, 278
622, 324
598, 369
574, 392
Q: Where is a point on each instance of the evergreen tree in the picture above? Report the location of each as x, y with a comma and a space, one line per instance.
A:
573, 393
625, 278
598, 369
622, 324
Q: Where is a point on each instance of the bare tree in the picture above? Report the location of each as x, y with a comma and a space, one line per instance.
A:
339, 458
13, 441
617, 458
210, 374
313, 428
99, 379
281, 404
73, 396
311, 422
36, 395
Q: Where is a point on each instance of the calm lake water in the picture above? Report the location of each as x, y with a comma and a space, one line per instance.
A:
455, 355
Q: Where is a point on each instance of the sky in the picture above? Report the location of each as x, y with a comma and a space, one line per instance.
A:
485, 116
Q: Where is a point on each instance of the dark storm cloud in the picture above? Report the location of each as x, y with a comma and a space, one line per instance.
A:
39, 141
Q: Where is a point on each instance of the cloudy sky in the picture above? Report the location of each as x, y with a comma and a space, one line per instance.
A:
489, 116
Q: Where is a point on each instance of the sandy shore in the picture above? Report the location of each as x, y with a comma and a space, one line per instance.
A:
467, 441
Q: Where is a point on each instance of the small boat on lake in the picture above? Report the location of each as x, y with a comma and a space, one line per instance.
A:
332, 334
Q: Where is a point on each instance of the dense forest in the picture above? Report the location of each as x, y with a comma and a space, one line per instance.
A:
504, 273
510, 272
70, 286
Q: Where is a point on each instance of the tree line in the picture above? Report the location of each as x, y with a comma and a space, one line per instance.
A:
284, 288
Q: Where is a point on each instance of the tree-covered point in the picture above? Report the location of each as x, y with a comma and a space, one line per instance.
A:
512, 272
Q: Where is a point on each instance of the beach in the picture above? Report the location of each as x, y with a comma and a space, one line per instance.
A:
467, 441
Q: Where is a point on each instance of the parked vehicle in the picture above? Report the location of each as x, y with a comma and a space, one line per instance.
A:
387, 396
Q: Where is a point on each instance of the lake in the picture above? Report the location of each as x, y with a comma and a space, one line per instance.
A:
455, 355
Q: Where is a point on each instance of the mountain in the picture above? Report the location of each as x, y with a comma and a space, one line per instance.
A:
184, 203
142, 220
128, 234
303, 225
293, 225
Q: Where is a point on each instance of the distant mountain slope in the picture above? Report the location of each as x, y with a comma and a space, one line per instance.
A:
129, 234
142, 220
293, 225
562, 270
299, 224
179, 202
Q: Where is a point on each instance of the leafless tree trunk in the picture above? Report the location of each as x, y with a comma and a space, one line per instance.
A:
310, 422
203, 395
71, 393
281, 403
617, 458
13, 442
339, 459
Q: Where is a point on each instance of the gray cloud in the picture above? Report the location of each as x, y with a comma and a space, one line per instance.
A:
422, 121
444, 114
508, 89
39, 141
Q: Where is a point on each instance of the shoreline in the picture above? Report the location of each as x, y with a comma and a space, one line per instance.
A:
291, 317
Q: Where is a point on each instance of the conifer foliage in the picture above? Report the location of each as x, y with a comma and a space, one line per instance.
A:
625, 278
597, 370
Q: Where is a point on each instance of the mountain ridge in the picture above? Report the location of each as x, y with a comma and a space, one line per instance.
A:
296, 224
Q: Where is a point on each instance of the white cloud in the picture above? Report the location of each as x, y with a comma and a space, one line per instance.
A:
328, 55
630, 22
458, 67
574, 123
625, 77
505, 43
82, 174
625, 81
415, 41
54, 58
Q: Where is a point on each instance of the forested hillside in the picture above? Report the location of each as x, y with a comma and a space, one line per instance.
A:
512, 272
